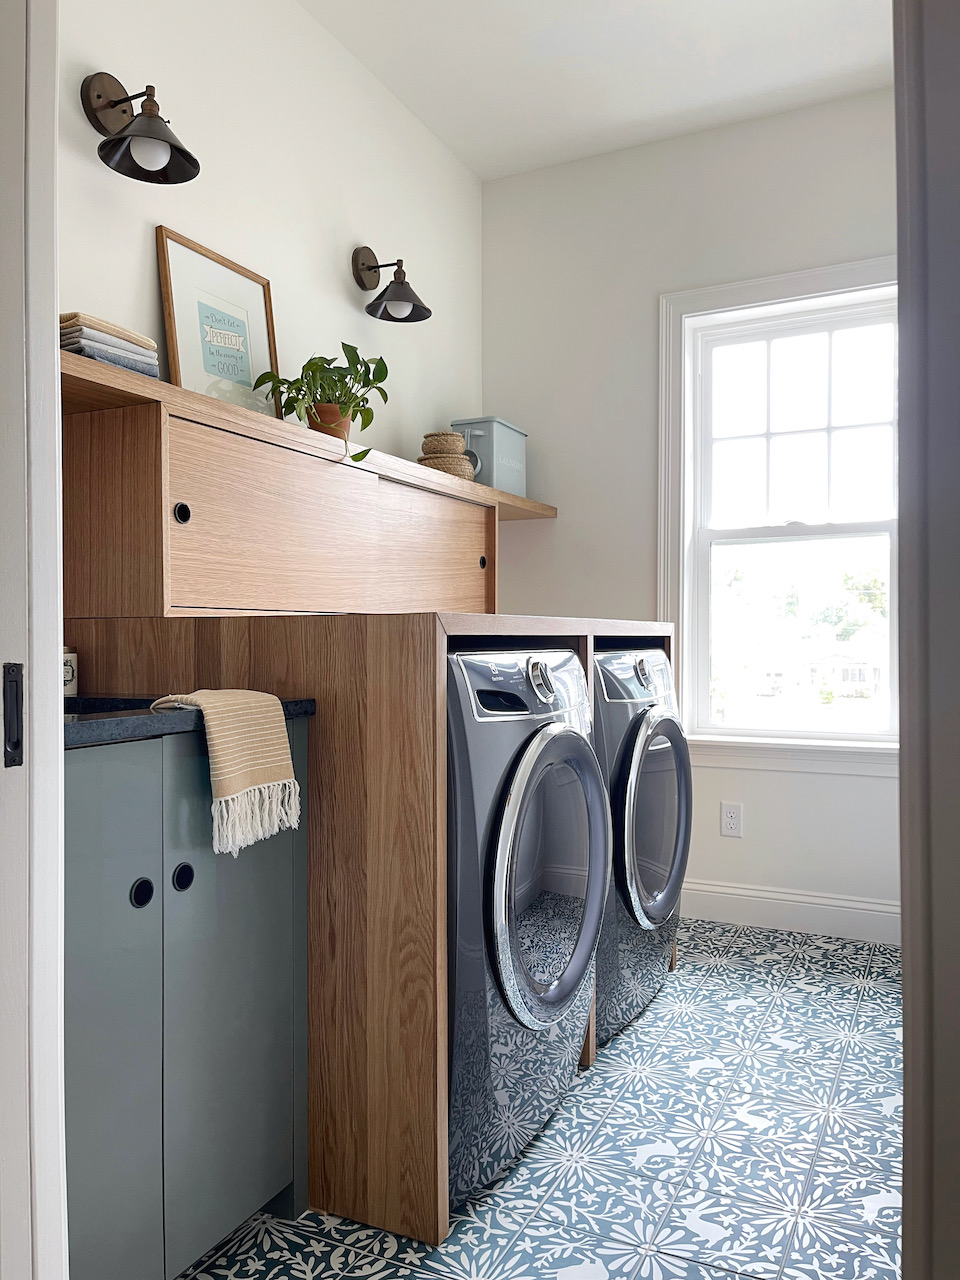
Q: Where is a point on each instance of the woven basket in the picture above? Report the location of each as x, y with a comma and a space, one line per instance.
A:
450, 443
452, 465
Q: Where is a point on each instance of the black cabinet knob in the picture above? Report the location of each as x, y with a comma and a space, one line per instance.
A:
141, 892
483, 562
183, 877
181, 513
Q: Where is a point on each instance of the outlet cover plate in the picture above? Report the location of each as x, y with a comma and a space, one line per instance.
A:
731, 819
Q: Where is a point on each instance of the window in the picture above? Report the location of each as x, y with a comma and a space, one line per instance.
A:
788, 563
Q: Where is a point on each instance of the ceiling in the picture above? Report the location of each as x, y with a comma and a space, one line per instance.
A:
511, 85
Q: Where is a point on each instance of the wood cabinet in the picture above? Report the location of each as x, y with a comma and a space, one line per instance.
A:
184, 1017
176, 504
376, 782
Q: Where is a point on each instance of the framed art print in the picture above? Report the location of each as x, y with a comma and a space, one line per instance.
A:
218, 319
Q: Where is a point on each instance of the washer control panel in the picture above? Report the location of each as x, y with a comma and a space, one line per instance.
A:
545, 682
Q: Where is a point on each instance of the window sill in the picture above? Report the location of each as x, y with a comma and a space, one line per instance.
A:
786, 755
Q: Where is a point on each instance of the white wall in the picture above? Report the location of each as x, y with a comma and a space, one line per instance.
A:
575, 260
304, 155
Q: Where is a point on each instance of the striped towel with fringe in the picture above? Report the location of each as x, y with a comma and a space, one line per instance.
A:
255, 793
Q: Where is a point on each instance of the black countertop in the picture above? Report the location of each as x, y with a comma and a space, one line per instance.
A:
88, 722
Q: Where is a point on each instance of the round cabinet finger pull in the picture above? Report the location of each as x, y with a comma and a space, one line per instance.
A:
483, 562
183, 877
141, 892
181, 513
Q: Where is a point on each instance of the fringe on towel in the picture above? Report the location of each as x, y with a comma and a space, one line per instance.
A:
255, 814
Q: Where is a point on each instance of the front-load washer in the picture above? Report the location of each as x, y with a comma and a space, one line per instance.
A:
529, 855
645, 760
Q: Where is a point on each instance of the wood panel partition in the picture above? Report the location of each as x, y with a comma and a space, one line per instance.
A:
377, 848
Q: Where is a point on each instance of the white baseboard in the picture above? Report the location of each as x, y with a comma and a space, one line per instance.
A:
871, 919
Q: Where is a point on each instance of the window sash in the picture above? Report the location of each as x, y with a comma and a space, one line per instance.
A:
698, 714
698, 451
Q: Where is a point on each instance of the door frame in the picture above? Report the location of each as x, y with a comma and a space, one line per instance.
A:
927, 47
33, 1235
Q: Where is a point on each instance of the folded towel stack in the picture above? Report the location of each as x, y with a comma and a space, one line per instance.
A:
108, 342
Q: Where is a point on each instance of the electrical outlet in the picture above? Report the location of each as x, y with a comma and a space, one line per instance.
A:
731, 818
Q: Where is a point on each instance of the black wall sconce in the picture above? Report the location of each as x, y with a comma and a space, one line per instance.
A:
138, 146
397, 302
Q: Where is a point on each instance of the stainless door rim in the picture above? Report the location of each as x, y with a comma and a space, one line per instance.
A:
534, 1004
659, 721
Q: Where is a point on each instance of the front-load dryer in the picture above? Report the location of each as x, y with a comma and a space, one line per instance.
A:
529, 855
645, 760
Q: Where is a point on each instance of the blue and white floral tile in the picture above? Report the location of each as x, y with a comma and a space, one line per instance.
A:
762, 1118
865, 1193
878, 1093
708, 1062
826, 1249
623, 1206
795, 1082
564, 1253
737, 1235
748, 1120
754, 1171
734, 999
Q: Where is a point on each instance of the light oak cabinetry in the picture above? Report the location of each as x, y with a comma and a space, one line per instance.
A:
376, 789
270, 518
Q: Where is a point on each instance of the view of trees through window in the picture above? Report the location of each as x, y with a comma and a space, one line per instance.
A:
799, 465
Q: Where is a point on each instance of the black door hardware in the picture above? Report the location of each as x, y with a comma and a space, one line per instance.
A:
12, 714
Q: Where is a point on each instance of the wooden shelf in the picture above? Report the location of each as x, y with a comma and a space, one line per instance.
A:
89, 385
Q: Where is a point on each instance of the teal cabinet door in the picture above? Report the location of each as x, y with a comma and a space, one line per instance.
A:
113, 1011
228, 974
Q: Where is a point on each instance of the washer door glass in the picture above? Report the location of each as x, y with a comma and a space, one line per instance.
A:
655, 810
551, 868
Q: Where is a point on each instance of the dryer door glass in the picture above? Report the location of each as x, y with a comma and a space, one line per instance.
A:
551, 869
655, 835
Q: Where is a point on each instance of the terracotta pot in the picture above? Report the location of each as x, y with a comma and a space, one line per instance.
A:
330, 419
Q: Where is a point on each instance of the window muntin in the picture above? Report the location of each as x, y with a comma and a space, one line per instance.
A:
794, 545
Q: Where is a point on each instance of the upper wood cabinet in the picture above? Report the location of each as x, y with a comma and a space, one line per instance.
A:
178, 505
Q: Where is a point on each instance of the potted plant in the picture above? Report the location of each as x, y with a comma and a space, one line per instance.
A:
329, 397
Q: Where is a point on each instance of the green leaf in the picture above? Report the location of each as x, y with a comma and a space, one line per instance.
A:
379, 369
366, 417
359, 457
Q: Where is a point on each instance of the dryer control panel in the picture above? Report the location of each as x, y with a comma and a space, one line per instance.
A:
637, 675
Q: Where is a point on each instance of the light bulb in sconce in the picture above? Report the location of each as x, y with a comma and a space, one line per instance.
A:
140, 146
397, 302
150, 153
399, 310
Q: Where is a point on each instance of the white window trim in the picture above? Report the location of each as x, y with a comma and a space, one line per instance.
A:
678, 315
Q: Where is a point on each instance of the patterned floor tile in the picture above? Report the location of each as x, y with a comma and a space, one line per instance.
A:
824, 1249
754, 1171
738, 1235
625, 1207
551, 1253
747, 1124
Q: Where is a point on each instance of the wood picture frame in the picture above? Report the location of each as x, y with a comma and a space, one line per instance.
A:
218, 321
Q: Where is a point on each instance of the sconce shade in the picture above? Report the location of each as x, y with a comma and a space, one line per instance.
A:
399, 296
397, 302
115, 152
141, 146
